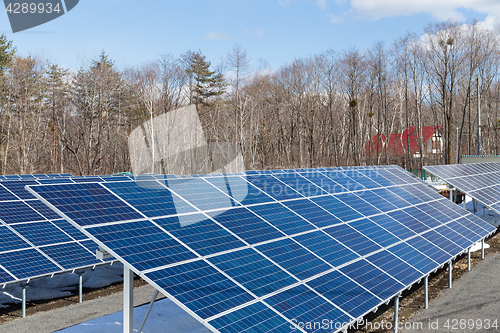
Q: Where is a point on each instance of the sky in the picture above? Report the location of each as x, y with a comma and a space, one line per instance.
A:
273, 32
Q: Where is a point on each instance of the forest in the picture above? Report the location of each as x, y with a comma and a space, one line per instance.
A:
316, 111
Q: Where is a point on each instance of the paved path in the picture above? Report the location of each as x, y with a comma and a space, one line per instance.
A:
471, 304
57, 319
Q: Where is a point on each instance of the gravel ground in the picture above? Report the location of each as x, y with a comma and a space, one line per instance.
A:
60, 318
471, 304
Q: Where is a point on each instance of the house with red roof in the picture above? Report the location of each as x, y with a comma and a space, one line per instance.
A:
397, 143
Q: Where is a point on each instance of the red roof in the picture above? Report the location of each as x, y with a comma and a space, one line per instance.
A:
397, 144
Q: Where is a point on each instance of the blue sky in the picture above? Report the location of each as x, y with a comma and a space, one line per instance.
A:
134, 32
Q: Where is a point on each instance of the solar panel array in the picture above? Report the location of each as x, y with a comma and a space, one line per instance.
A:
273, 250
481, 181
35, 240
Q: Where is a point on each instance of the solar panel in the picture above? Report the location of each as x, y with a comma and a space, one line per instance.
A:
265, 250
480, 181
33, 235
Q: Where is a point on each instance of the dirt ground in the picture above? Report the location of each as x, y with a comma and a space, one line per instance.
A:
410, 302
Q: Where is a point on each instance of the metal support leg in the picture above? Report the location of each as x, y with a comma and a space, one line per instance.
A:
426, 291
451, 194
24, 299
450, 273
149, 310
128, 300
482, 248
468, 259
80, 285
465, 197
474, 206
396, 314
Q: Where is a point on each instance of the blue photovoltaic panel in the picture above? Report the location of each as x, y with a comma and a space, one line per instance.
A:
4, 276
89, 203
150, 198
254, 318
142, 244
414, 257
282, 218
71, 255
27, 263
395, 267
200, 233
294, 258
312, 212
253, 271
244, 261
372, 231
326, 248
393, 226
18, 187
372, 278
353, 239
201, 288
273, 187
69, 229
42, 209
247, 225
10, 241
240, 190
306, 306
6, 195
41, 233
200, 193
346, 293
324, 182
18, 211
358, 203
337, 208
346, 182
301, 185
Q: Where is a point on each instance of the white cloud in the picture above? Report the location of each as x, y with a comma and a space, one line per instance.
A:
215, 35
284, 2
440, 9
321, 3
